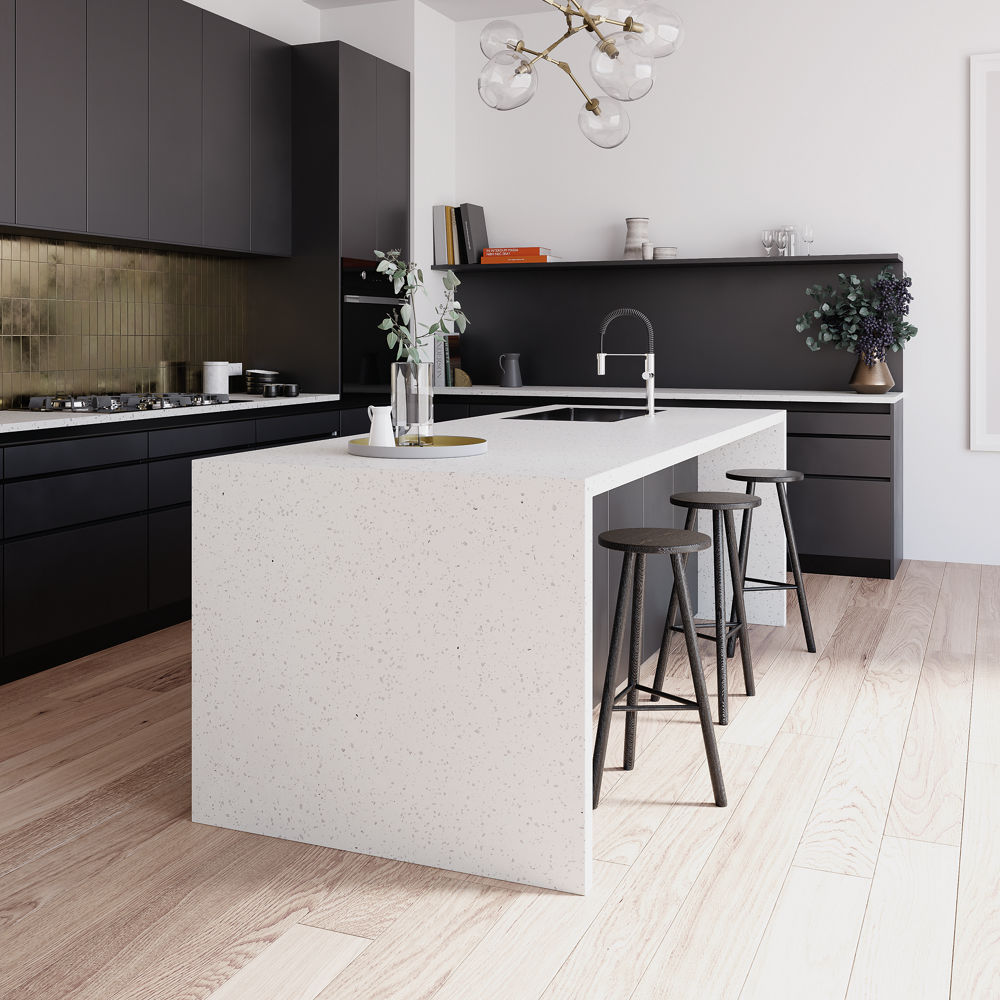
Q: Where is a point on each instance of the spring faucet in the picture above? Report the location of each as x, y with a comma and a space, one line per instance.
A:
648, 374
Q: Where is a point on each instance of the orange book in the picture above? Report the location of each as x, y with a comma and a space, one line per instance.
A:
516, 252
537, 259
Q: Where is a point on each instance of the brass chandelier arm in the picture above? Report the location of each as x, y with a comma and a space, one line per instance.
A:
544, 54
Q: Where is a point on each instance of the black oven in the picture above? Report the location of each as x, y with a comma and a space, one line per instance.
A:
366, 300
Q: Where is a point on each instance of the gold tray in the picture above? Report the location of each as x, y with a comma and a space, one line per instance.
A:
438, 446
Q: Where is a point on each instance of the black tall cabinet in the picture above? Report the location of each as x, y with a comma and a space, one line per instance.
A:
7, 112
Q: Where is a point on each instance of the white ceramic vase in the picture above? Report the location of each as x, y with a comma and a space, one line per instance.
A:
636, 233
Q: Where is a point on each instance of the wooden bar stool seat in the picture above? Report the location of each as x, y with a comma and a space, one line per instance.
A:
725, 631
780, 478
637, 544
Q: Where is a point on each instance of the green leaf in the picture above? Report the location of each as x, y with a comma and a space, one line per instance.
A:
462, 322
386, 324
406, 314
379, 254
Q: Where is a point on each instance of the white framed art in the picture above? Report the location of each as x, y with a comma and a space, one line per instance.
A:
984, 258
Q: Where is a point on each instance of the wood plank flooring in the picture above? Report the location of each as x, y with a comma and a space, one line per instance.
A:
857, 856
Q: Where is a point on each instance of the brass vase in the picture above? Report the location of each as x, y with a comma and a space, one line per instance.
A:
876, 379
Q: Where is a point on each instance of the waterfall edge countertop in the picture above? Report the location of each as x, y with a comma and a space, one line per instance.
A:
396, 658
665, 395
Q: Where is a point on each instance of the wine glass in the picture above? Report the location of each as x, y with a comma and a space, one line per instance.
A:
767, 241
781, 237
808, 235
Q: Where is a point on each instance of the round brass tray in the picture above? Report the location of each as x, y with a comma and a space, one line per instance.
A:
439, 446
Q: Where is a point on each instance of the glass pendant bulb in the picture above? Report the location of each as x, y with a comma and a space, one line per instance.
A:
613, 9
663, 30
609, 127
622, 66
507, 81
499, 36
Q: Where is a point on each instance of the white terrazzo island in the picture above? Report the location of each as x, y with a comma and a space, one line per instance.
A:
395, 657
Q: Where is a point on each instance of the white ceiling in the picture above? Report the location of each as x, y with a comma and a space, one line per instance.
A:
457, 10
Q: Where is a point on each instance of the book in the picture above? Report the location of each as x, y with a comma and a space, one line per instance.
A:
516, 252
440, 215
474, 236
439, 367
451, 231
540, 259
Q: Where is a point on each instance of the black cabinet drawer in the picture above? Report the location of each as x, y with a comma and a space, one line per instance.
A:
823, 456
353, 422
859, 424
194, 440
72, 581
851, 518
169, 482
61, 501
65, 456
169, 557
298, 426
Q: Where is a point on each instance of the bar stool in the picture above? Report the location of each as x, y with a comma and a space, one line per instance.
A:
637, 543
780, 478
722, 506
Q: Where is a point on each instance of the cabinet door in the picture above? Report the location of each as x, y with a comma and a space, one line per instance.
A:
393, 126
118, 118
51, 109
359, 190
271, 145
175, 54
109, 561
226, 134
169, 557
7, 211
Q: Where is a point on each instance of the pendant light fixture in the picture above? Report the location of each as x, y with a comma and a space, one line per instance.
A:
621, 63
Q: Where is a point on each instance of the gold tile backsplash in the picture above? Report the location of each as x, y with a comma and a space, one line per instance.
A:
80, 319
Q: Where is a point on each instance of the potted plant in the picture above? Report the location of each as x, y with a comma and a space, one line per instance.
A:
412, 375
866, 319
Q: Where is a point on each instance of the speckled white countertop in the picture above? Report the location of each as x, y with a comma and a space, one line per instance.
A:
599, 455
630, 392
16, 421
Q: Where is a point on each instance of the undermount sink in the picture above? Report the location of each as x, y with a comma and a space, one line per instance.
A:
583, 414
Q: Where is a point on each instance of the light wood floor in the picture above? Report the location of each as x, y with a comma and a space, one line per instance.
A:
858, 856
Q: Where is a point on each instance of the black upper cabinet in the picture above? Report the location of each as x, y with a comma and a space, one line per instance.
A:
393, 186
271, 145
225, 134
359, 187
175, 122
7, 211
118, 118
51, 109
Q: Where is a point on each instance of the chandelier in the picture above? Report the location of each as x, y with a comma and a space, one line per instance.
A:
621, 62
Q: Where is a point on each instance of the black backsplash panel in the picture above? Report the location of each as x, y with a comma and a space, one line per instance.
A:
718, 324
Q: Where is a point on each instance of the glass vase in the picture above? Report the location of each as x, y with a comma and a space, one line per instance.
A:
412, 389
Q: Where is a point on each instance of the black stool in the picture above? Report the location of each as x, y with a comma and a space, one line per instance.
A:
722, 506
780, 478
637, 543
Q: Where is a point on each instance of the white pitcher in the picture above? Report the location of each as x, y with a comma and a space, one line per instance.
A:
381, 435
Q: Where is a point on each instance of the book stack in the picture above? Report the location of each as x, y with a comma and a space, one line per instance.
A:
517, 255
459, 234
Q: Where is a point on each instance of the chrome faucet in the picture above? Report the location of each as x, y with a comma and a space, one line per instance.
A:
648, 374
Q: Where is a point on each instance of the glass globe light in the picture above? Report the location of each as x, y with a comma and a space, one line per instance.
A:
613, 9
499, 36
507, 81
609, 127
622, 66
663, 30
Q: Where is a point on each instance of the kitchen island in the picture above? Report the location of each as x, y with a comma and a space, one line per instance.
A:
394, 657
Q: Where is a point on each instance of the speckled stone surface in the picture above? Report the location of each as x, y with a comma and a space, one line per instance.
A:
395, 658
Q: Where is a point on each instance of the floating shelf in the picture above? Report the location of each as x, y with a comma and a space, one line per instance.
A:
888, 258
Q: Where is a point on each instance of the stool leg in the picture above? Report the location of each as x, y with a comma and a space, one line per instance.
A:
793, 557
720, 618
614, 653
634, 659
668, 632
744, 554
698, 677
740, 610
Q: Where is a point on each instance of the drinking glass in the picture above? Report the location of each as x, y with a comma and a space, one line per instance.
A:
781, 237
808, 235
767, 241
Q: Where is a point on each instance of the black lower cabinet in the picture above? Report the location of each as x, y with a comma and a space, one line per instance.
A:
69, 582
169, 557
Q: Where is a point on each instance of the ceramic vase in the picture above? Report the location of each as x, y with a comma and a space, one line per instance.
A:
636, 233
877, 379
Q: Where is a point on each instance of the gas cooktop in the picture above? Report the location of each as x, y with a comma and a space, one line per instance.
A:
126, 402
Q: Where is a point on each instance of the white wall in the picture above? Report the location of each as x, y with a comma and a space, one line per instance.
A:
293, 21
853, 117
385, 29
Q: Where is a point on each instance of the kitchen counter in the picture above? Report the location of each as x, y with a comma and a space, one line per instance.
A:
700, 395
18, 421
395, 657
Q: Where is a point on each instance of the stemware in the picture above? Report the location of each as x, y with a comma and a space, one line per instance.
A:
767, 241
781, 238
808, 235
